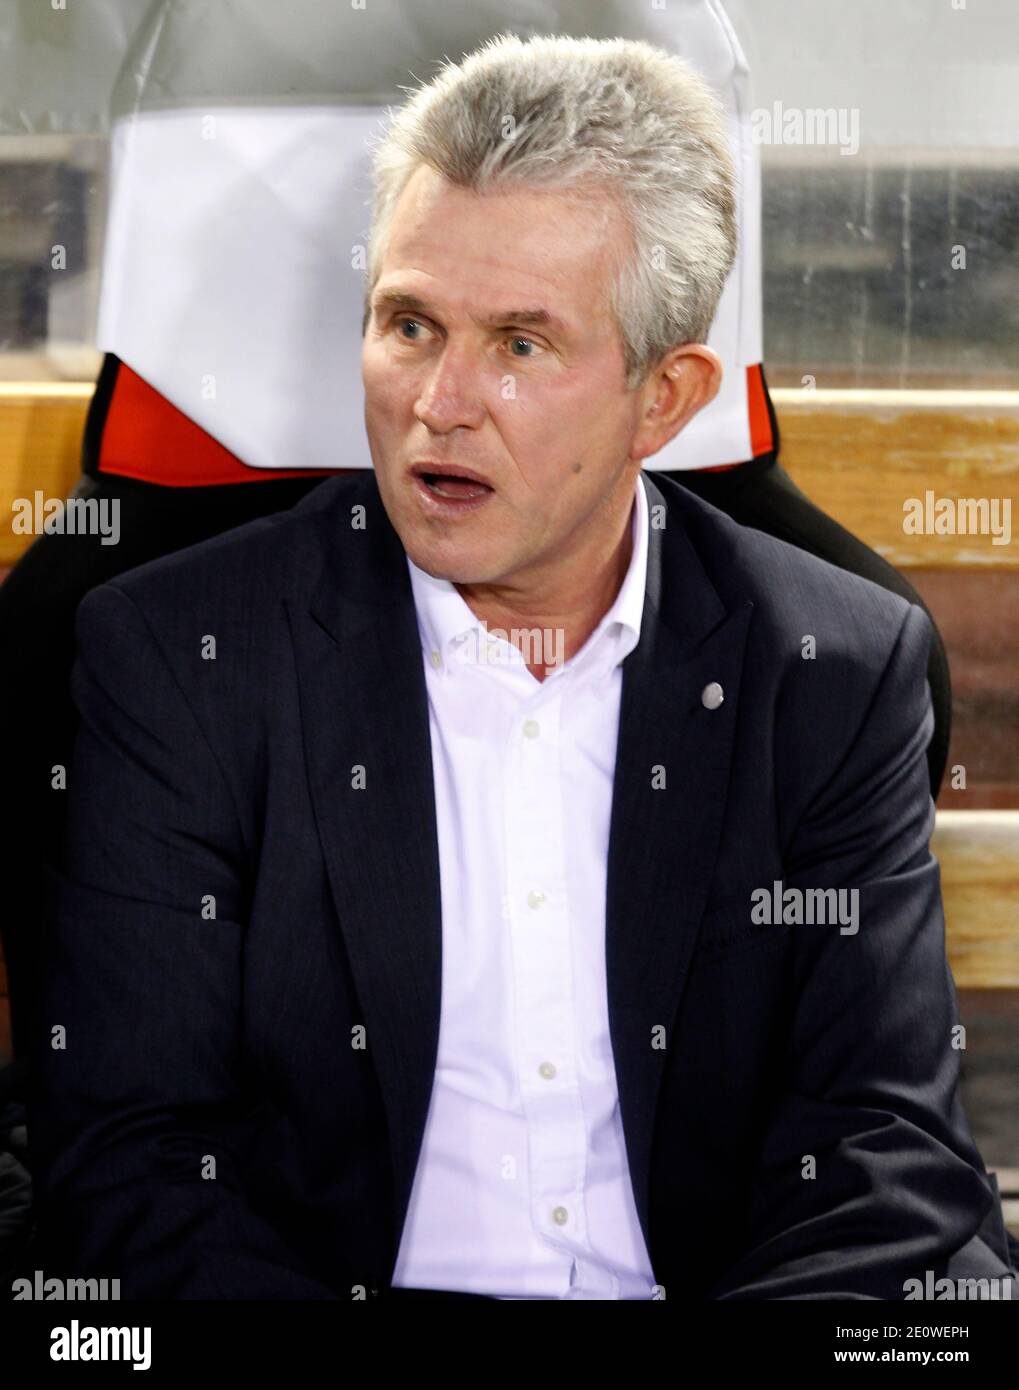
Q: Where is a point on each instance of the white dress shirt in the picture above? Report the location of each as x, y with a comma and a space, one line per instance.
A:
522, 1188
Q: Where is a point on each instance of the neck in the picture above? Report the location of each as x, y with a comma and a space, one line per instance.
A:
556, 612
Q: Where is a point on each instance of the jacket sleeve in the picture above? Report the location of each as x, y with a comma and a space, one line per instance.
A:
135, 1120
872, 1066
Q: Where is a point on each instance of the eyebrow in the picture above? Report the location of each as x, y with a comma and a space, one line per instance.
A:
402, 299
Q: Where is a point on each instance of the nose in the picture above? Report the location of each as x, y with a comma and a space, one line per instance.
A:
451, 395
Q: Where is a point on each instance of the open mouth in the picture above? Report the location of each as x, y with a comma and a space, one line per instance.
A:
454, 488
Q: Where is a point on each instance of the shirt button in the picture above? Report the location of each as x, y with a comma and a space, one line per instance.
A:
560, 1216
435, 658
547, 1070
532, 728
535, 898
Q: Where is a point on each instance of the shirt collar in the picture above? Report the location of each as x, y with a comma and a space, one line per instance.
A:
450, 631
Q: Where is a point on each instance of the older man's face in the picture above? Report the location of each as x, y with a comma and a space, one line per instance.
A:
455, 376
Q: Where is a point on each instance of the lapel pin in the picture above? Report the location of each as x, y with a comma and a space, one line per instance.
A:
712, 695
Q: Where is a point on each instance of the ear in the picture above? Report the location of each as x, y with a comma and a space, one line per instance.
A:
686, 380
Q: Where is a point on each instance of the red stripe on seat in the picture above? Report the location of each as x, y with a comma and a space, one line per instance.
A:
147, 438
762, 440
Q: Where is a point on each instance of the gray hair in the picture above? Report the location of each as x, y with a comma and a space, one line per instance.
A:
578, 115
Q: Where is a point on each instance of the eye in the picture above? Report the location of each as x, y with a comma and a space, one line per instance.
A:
403, 322
530, 341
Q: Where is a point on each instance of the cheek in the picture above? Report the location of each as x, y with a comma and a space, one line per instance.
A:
382, 391
557, 426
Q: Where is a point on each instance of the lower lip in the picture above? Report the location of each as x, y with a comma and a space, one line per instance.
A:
447, 506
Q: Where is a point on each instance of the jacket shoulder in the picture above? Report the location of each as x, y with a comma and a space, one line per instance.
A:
252, 563
795, 593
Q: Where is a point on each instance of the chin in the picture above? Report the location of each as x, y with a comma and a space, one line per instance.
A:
441, 563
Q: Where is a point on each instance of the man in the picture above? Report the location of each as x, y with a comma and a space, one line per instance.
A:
503, 874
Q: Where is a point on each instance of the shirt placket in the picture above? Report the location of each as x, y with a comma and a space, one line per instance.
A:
545, 1018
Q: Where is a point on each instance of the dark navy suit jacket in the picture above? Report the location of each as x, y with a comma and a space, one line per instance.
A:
205, 1124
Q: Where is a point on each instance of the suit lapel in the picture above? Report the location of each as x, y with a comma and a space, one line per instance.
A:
663, 842
363, 703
